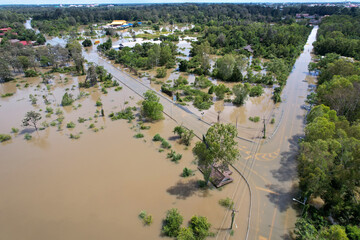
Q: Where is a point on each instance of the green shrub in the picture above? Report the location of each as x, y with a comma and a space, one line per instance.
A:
353, 232
104, 91
98, 103
187, 172
139, 135
67, 100
126, 114
185, 234
157, 138
27, 136
172, 223
160, 72
147, 218
220, 91
200, 227
118, 89
165, 144
59, 111
87, 43
70, 125
81, 120
256, 91
53, 124
272, 121
31, 73
73, 136
143, 127
4, 137
227, 202
142, 214
14, 130
175, 157
33, 99
202, 82
7, 95
254, 119
49, 110
184, 134
45, 124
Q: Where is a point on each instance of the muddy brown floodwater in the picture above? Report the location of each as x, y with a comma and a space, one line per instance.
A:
54, 187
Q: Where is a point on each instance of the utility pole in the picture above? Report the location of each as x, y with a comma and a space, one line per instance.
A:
232, 217
218, 118
264, 129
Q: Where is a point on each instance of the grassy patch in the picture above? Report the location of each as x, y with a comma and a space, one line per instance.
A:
187, 172
7, 95
139, 135
227, 202
27, 136
254, 119
70, 125
4, 137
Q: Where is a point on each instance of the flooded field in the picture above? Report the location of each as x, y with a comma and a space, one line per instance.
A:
54, 187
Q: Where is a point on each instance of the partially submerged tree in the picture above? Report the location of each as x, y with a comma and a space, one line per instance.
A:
31, 118
151, 108
184, 134
218, 147
172, 223
241, 93
91, 76
67, 99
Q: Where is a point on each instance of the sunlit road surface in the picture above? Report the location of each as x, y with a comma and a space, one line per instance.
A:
271, 170
269, 165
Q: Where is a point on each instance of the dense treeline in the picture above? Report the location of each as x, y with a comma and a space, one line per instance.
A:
329, 160
146, 56
339, 34
52, 20
16, 22
21, 59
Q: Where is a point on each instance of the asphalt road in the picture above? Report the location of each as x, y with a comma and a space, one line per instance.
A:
268, 165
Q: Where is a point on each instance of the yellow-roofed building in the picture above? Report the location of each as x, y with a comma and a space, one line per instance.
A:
116, 23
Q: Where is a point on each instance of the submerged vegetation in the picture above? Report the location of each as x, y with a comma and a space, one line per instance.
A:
236, 52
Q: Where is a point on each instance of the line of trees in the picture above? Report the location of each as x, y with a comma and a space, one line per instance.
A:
53, 21
329, 159
18, 58
146, 55
339, 34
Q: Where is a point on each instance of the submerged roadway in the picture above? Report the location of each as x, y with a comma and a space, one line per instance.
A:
263, 202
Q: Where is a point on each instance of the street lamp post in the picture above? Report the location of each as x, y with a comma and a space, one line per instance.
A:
303, 203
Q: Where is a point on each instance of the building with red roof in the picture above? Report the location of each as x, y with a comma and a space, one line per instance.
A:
5, 29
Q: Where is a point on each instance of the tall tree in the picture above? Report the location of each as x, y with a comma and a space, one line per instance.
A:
219, 147
151, 107
31, 119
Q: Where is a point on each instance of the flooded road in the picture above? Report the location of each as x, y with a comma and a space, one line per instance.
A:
271, 167
54, 187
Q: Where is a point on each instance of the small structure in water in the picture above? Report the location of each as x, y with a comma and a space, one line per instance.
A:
218, 177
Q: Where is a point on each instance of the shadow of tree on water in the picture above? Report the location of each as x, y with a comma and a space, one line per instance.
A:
183, 190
